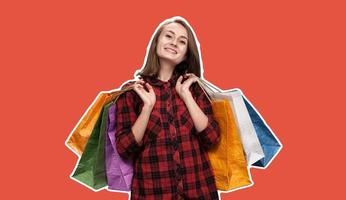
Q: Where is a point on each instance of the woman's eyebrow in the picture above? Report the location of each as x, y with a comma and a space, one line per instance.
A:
174, 34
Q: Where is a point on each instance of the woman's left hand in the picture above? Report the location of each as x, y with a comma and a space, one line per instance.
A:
183, 88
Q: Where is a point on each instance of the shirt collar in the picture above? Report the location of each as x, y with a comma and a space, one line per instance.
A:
157, 82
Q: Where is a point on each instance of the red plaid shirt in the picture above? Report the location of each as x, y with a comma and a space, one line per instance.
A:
171, 161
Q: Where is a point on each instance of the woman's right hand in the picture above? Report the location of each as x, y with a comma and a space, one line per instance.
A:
148, 98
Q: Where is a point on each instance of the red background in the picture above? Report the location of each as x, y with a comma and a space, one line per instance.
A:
287, 57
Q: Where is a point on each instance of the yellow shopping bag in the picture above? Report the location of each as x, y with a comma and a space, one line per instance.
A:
81, 133
227, 157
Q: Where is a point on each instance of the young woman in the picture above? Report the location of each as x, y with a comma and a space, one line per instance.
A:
165, 124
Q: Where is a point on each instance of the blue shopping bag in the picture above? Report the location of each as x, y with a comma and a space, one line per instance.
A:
270, 144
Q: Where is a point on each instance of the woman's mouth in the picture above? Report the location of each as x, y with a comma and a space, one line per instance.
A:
171, 50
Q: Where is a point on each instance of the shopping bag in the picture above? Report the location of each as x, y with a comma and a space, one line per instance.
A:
250, 141
270, 144
119, 171
227, 157
91, 169
81, 133
248, 136
219, 155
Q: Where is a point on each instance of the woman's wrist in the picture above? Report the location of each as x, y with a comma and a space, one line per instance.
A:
187, 97
147, 108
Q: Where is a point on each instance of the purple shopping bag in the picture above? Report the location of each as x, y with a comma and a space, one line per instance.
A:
118, 170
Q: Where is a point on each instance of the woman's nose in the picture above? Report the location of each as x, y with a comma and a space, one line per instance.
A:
174, 42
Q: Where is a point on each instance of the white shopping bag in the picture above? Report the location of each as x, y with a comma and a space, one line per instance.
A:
251, 144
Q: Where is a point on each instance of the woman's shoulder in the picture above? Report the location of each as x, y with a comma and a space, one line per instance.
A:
129, 94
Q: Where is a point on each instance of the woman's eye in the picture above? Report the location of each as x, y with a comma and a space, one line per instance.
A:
183, 42
168, 36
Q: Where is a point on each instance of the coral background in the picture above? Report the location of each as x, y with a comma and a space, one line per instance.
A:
288, 57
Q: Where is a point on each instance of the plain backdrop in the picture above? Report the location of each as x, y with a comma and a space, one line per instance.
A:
288, 57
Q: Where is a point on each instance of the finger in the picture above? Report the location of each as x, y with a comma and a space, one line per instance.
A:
150, 88
144, 88
137, 89
179, 81
189, 81
191, 75
140, 81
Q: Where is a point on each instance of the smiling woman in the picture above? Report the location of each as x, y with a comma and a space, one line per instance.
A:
172, 34
165, 124
172, 43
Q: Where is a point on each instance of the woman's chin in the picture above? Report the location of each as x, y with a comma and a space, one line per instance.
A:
170, 59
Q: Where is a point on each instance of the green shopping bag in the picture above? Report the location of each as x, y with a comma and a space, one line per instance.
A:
91, 169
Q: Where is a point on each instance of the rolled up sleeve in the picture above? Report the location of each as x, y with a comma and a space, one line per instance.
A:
126, 116
209, 136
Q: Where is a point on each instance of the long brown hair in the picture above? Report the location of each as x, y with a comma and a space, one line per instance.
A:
190, 65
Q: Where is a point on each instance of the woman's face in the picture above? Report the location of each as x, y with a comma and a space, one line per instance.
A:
172, 43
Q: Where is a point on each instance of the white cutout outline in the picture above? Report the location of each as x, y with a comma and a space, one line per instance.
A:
202, 77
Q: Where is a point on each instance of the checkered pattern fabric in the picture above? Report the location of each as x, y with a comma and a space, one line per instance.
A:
171, 161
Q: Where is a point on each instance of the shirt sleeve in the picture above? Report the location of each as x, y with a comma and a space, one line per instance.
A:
209, 136
126, 116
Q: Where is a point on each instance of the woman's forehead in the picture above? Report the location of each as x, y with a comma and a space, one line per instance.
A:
176, 29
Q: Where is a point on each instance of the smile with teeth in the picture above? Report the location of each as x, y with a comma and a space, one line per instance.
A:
171, 50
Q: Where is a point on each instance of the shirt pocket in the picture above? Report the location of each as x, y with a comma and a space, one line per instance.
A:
154, 127
185, 121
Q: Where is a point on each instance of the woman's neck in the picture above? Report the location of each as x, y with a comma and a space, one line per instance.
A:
166, 70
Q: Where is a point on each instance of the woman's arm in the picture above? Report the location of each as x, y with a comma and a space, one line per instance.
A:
138, 128
200, 120
130, 127
201, 111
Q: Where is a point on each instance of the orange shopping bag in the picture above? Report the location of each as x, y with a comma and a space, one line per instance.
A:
82, 131
227, 157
